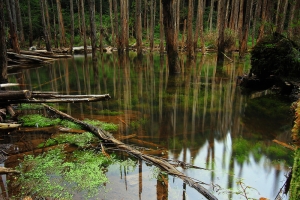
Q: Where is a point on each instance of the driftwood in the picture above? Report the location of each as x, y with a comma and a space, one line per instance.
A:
162, 164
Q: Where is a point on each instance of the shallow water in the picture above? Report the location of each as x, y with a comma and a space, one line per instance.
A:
200, 117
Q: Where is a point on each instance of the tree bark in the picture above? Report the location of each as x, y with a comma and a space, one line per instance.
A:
170, 37
221, 28
101, 28
151, 33
30, 24
161, 28
3, 56
13, 37
19, 23
62, 37
83, 27
93, 28
138, 27
190, 42
72, 26
111, 21
45, 29
245, 29
282, 15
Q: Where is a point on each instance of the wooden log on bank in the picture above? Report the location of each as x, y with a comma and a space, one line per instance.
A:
162, 164
10, 94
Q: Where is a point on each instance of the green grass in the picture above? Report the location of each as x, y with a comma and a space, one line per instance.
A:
38, 121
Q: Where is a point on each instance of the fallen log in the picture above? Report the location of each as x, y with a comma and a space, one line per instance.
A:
9, 94
285, 145
162, 164
62, 100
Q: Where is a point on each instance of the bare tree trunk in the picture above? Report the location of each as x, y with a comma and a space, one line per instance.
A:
221, 27
282, 15
54, 26
83, 27
48, 19
211, 15
79, 18
30, 24
201, 9
111, 21
93, 28
13, 37
245, 29
116, 23
101, 28
138, 27
161, 36
45, 29
62, 37
20, 24
151, 25
72, 26
3, 56
263, 20
256, 16
190, 42
171, 41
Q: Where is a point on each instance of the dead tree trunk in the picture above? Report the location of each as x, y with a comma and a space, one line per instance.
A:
62, 37
45, 29
3, 56
13, 37
171, 41
93, 28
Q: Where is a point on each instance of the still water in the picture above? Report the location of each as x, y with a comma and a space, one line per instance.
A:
200, 117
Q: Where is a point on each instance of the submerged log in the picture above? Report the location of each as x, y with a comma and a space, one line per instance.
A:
162, 164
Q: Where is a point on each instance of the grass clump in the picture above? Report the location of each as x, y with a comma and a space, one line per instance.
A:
51, 175
80, 140
38, 120
105, 126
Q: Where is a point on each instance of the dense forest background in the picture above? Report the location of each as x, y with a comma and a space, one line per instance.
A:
194, 25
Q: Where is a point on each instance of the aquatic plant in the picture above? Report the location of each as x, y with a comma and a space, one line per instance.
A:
106, 126
69, 124
80, 140
51, 175
38, 120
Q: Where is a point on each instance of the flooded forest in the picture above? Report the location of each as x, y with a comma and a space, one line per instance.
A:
137, 99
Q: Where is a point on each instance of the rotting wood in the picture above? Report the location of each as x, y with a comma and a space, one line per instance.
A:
162, 164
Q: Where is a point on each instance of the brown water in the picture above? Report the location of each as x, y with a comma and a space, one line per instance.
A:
200, 117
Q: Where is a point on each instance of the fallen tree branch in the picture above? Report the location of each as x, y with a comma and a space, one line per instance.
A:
285, 145
162, 164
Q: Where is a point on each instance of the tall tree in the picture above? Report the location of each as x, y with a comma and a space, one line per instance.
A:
264, 19
72, 26
161, 28
138, 27
3, 56
30, 24
151, 31
221, 28
112, 21
245, 28
93, 28
293, 18
83, 27
281, 16
171, 41
101, 28
48, 19
190, 41
45, 29
13, 37
19, 22
62, 37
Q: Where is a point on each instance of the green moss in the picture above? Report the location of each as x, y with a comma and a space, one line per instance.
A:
295, 182
38, 120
